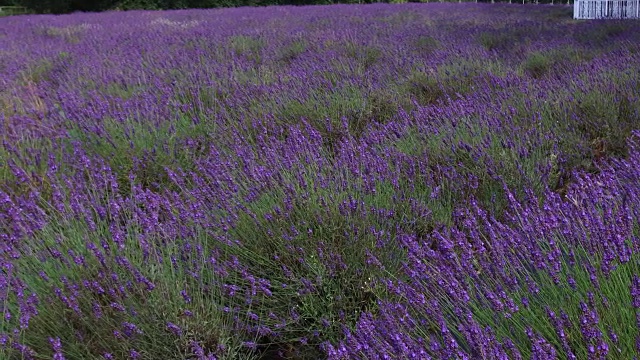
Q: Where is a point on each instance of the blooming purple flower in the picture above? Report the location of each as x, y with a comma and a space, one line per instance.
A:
130, 330
185, 296
635, 292
175, 329
134, 354
57, 349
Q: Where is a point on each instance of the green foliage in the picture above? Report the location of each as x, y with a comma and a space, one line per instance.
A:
426, 44
366, 56
292, 51
505, 40
321, 289
13, 10
510, 310
47, 6
249, 47
145, 149
612, 304
424, 88
537, 64
455, 78
66, 6
606, 120
86, 335
328, 111
138, 4
554, 61
498, 40
36, 171
600, 33
461, 142
37, 72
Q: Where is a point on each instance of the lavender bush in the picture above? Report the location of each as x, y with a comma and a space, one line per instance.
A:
344, 182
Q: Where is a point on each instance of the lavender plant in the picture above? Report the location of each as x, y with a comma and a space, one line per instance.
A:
554, 281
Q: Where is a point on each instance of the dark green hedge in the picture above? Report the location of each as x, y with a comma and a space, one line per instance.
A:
65, 6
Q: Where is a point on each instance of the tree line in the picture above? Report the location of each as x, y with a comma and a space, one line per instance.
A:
68, 6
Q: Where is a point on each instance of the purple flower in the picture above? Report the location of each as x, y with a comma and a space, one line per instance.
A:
129, 329
175, 329
57, 348
540, 348
185, 296
250, 344
635, 292
133, 354
253, 316
4, 339
118, 307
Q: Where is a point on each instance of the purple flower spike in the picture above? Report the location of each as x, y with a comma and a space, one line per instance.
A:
175, 329
57, 348
635, 292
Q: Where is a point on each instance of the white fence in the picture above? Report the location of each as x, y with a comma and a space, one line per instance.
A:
606, 9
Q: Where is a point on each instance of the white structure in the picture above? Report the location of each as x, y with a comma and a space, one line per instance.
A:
606, 9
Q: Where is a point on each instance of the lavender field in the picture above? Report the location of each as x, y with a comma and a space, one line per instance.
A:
412, 181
